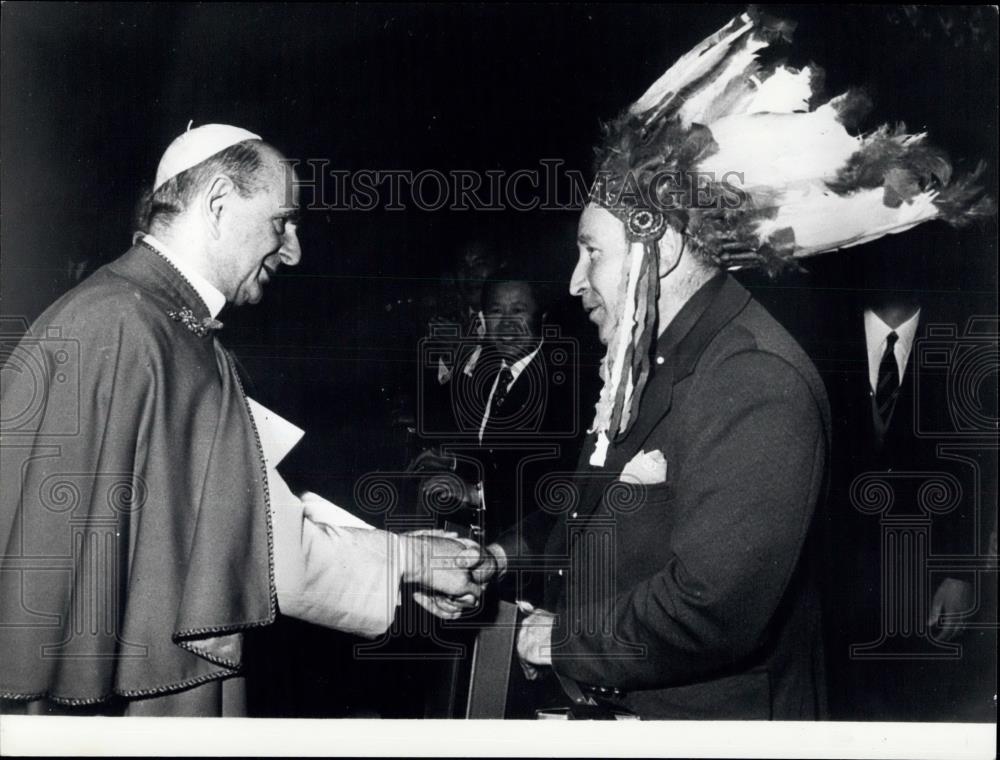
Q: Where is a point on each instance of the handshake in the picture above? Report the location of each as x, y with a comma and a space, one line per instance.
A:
451, 574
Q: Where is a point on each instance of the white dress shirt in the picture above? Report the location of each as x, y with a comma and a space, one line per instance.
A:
876, 338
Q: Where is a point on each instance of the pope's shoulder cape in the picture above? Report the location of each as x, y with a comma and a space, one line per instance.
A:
133, 514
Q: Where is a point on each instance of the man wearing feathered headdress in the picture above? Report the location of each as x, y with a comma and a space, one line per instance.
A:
709, 446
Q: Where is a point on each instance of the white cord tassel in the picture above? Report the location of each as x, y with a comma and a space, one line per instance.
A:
617, 351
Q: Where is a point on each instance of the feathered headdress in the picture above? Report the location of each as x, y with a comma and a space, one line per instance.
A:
738, 160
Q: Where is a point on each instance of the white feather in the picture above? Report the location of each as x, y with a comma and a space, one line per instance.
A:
785, 91
696, 62
824, 221
708, 103
778, 150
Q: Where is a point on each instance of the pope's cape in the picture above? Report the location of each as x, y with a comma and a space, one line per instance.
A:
134, 515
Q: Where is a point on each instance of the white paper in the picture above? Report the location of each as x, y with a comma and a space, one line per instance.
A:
277, 435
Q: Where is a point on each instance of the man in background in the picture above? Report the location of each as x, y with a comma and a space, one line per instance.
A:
891, 416
513, 404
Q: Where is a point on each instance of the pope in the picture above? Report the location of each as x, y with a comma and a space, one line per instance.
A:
144, 527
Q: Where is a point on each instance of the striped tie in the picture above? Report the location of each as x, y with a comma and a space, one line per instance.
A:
887, 387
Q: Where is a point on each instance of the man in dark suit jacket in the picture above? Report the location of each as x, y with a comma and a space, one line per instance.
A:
680, 582
528, 422
887, 652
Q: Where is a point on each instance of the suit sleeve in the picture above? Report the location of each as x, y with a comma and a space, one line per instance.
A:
526, 540
747, 482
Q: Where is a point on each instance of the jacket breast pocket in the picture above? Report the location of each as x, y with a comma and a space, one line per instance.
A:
657, 493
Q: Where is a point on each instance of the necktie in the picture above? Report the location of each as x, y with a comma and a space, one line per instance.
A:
887, 387
504, 379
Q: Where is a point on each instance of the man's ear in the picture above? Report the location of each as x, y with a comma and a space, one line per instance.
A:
671, 248
220, 191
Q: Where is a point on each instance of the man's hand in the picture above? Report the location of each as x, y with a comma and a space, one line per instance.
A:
534, 642
952, 598
484, 565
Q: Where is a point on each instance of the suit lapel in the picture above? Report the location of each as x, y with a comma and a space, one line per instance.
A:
656, 402
714, 306
681, 346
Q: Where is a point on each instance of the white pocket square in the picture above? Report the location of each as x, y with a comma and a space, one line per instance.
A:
646, 468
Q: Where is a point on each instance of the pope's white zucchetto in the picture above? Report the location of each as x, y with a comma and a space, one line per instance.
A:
196, 145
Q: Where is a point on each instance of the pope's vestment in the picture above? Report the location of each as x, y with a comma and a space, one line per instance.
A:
144, 528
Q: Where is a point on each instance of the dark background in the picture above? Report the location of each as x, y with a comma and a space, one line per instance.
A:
93, 93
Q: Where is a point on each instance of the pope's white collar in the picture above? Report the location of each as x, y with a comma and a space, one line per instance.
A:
211, 295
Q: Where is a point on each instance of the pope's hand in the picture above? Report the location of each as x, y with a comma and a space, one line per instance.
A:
484, 565
444, 607
534, 641
441, 566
